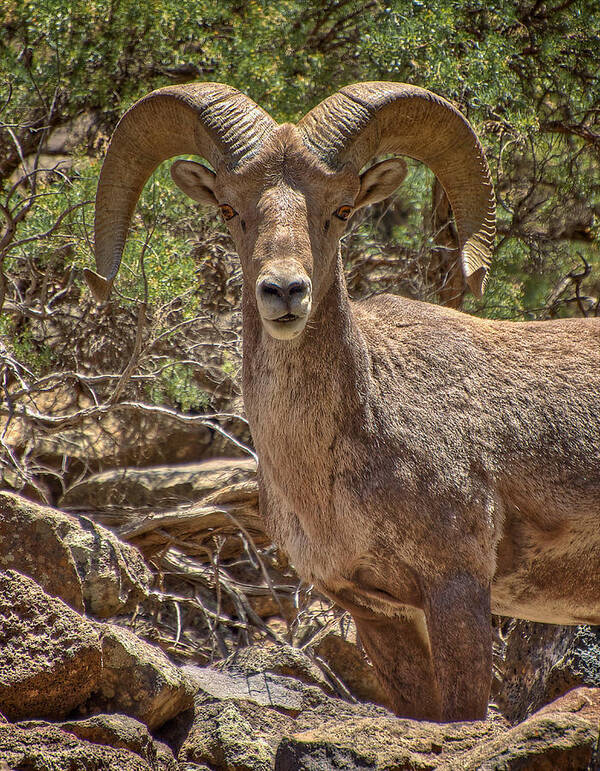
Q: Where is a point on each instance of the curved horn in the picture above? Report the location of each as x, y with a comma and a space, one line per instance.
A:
364, 120
212, 120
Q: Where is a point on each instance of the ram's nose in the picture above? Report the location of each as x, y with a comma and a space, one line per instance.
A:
290, 290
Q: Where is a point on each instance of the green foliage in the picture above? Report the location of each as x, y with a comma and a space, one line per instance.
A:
20, 341
504, 60
176, 385
105, 53
527, 74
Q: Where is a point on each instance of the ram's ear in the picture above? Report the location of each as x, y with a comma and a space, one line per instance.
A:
379, 181
195, 180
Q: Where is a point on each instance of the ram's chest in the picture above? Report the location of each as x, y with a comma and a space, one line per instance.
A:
323, 532
309, 503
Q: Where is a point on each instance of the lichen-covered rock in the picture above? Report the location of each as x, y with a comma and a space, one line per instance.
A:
382, 743
235, 736
32, 543
50, 656
240, 718
544, 661
278, 660
286, 694
563, 735
578, 666
123, 732
49, 747
71, 557
138, 679
114, 575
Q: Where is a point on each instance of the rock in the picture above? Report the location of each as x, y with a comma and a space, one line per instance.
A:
277, 660
285, 694
341, 653
32, 544
81, 131
50, 656
562, 735
583, 702
139, 680
235, 736
240, 719
123, 732
382, 743
114, 575
542, 662
118, 439
157, 487
73, 558
49, 747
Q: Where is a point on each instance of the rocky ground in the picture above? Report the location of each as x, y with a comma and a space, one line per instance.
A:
127, 648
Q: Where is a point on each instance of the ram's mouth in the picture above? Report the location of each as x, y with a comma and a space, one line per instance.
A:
285, 327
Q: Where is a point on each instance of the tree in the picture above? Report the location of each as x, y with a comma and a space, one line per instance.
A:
527, 74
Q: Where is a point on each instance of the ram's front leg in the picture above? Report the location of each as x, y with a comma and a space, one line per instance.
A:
400, 653
437, 664
457, 613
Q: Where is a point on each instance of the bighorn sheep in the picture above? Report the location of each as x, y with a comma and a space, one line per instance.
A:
420, 466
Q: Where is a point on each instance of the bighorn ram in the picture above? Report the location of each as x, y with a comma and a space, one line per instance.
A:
420, 466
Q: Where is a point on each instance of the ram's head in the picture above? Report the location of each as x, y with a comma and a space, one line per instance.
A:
286, 191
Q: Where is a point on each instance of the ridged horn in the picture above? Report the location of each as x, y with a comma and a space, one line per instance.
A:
365, 120
211, 120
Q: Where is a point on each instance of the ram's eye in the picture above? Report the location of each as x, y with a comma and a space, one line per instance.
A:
343, 212
227, 211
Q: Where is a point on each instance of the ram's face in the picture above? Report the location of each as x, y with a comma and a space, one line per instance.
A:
286, 212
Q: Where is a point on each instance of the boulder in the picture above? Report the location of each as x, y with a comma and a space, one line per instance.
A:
285, 694
241, 715
563, 735
114, 575
32, 543
277, 660
123, 732
235, 736
50, 656
49, 747
82, 131
138, 679
157, 487
382, 743
544, 661
71, 557
115, 439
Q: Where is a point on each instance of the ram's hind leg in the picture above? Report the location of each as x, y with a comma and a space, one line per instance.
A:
399, 650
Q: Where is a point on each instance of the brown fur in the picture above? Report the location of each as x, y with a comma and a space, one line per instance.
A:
420, 466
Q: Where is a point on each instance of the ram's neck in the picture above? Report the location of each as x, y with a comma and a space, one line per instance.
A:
300, 394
